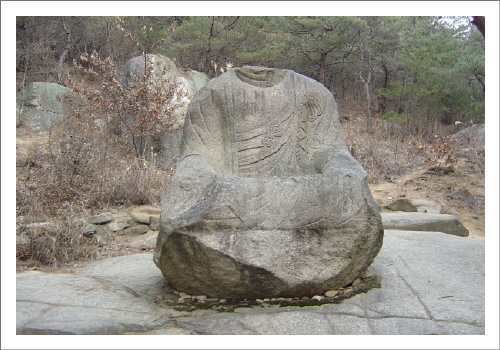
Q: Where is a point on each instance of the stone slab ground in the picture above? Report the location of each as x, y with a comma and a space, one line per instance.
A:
432, 283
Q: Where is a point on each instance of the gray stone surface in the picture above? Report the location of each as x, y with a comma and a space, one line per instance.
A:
266, 199
473, 138
100, 219
120, 224
168, 148
41, 105
425, 206
88, 229
164, 69
136, 230
73, 304
402, 205
432, 283
167, 74
424, 222
154, 222
137, 272
142, 218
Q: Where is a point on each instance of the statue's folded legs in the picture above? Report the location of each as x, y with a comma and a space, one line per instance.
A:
266, 199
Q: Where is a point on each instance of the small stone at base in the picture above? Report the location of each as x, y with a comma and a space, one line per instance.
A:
331, 293
357, 282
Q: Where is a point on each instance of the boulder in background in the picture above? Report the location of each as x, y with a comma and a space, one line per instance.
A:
41, 105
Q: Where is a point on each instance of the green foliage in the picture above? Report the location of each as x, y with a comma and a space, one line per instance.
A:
424, 67
391, 115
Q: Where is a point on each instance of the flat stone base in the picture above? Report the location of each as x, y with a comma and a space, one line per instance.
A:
424, 222
432, 283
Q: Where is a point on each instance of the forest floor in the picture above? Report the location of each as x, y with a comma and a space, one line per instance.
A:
460, 193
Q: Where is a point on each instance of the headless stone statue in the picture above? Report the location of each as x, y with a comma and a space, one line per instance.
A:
266, 199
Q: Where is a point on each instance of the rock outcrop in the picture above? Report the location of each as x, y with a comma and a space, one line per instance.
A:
473, 138
266, 199
402, 204
166, 75
423, 221
41, 105
427, 279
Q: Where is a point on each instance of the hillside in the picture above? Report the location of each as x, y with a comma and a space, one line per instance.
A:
460, 193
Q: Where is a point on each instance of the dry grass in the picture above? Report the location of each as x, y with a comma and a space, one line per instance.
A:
382, 152
74, 172
78, 170
389, 150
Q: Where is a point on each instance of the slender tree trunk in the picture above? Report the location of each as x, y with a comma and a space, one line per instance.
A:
368, 93
208, 64
322, 67
383, 99
67, 46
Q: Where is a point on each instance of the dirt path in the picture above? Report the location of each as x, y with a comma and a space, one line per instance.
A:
460, 193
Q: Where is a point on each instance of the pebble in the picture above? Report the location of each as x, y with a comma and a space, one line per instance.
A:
348, 290
201, 298
102, 218
260, 301
223, 301
184, 295
318, 297
357, 282
331, 293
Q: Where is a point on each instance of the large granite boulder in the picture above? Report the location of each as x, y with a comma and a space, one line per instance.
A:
473, 138
266, 199
165, 75
42, 105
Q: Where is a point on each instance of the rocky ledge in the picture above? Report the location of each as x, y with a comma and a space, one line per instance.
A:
431, 283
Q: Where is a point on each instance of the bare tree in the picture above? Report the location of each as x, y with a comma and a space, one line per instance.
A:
67, 47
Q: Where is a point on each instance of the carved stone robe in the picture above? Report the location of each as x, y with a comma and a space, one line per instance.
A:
262, 156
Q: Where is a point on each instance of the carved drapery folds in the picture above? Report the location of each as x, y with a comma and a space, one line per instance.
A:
266, 199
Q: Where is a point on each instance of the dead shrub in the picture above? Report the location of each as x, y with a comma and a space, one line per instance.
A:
78, 171
82, 167
384, 155
476, 202
441, 151
60, 243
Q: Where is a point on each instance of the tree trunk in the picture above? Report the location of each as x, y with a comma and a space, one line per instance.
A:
478, 21
368, 99
64, 53
322, 67
383, 100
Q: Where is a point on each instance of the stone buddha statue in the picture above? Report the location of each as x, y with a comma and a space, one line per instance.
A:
266, 199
